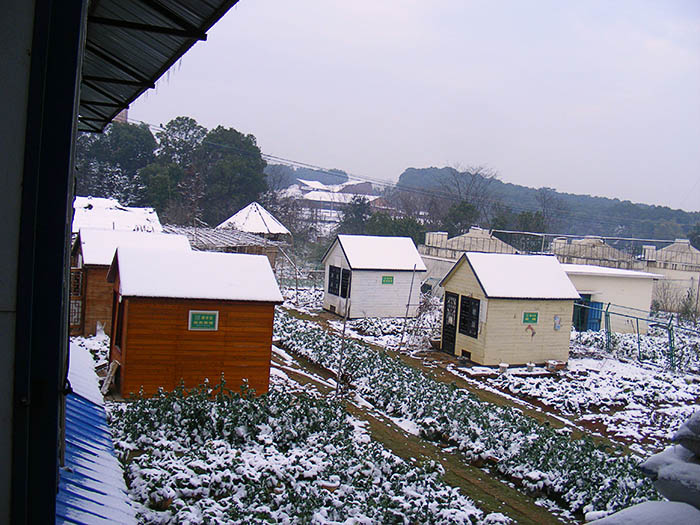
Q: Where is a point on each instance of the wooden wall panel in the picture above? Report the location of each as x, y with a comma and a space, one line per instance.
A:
98, 300
159, 349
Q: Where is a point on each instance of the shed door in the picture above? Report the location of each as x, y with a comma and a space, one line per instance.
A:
449, 323
595, 313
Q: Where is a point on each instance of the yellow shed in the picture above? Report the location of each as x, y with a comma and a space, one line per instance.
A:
503, 308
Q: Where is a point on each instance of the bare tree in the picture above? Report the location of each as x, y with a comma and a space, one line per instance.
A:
551, 207
471, 184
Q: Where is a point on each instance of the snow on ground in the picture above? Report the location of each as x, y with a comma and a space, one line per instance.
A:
538, 457
305, 300
98, 346
636, 404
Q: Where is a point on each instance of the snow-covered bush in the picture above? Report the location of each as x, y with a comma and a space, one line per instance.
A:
212, 456
577, 472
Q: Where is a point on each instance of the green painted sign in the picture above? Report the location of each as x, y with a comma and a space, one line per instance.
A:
530, 317
387, 279
204, 320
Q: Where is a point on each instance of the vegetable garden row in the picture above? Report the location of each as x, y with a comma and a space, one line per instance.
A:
193, 457
578, 473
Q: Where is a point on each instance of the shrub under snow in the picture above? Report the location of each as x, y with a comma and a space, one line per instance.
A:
218, 457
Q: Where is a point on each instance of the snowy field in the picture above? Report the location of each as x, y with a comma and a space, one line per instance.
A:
288, 457
577, 473
629, 394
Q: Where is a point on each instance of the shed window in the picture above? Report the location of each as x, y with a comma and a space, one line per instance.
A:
334, 280
345, 283
469, 317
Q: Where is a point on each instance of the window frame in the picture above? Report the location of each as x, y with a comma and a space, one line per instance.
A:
334, 273
345, 278
468, 321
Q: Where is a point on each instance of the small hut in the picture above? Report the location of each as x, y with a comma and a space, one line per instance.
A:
507, 308
191, 316
371, 276
91, 256
256, 219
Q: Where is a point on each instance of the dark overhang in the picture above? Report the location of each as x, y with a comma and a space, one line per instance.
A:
130, 44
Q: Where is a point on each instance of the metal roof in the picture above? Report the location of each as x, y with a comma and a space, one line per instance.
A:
91, 486
210, 239
130, 44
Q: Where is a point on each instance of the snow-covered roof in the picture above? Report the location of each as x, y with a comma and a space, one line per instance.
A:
194, 275
509, 276
255, 219
98, 246
316, 185
370, 252
98, 212
341, 198
603, 271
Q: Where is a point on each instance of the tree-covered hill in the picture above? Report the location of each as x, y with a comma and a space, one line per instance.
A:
569, 213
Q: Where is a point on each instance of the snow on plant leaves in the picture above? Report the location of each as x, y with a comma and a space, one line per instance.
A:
577, 472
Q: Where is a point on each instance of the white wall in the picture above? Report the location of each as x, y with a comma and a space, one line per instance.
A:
627, 295
16, 26
371, 298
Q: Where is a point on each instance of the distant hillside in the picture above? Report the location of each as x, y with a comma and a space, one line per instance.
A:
577, 214
281, 176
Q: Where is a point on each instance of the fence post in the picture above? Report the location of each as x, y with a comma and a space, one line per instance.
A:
639, 343
608, 342
671, 345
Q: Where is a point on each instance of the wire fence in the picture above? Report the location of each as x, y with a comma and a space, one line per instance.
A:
680, 350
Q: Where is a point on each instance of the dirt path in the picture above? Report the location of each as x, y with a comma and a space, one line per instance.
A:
488, 493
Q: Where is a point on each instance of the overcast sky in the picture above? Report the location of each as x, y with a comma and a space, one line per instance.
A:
586, 97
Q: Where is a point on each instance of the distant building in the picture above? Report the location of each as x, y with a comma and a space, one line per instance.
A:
589, 250
507, 308
257, 220
439, 252
371, 276
108, 214
191, 316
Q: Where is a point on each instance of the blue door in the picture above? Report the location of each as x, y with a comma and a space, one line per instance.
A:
595, 313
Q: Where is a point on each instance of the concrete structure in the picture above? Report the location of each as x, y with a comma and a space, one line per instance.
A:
507, 308
628, 292
679, 263
191, 316
91, 257
371, 276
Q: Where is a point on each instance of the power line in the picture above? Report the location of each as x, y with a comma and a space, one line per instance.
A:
572, 214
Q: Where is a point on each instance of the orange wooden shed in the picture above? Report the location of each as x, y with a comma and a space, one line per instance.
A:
91, 257
191, 316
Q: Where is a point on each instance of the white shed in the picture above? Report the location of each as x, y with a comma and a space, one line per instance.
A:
628, 292
374, 275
